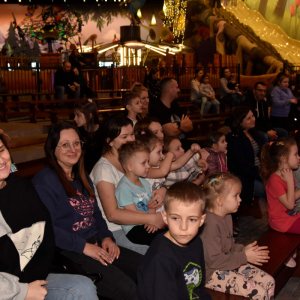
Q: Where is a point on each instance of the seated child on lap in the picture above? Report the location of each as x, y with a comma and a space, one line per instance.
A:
134, 192
173, 267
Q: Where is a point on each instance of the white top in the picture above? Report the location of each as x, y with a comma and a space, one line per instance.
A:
105, 171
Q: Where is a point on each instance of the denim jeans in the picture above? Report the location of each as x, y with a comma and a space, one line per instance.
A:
123, 241
264, 138
205, 105
70, 287
259, 189
60, 91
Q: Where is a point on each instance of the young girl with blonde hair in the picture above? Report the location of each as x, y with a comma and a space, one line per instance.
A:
229, 266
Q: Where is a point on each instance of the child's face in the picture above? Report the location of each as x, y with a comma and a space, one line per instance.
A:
138, 164
156, 128
232, 201
144, 99
175, 147
184, 221
156, 155
232, 80
206, 80
293, 159
221, 146
79, 118
135, 106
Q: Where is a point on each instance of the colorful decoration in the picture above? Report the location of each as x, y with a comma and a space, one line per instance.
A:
175, 12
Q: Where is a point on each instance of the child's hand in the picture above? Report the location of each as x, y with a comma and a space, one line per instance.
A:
195, 148
199, 179
150, 228
203, 164
287, 175
257, 255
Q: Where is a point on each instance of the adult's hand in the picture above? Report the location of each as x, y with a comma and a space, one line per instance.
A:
294, 101
36, 290
72, 88
233, 91
272, 135
96, 252
111, 247
158, 198
76, 84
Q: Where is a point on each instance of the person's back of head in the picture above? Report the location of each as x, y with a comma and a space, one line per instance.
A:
167, 141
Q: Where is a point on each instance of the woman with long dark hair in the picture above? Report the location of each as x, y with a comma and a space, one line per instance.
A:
28, 245
80, 231
106, 175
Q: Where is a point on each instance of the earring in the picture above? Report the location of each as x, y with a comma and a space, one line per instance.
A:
13, 168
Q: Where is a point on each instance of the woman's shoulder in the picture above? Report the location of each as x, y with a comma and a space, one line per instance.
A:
45, 177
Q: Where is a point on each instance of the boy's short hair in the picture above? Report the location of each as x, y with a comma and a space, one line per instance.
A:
127, 150
186, 192
128, 98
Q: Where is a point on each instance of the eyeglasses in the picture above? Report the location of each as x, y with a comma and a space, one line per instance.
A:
261, 91
67, 146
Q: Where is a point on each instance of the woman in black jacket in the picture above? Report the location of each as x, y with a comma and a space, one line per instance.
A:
243, 159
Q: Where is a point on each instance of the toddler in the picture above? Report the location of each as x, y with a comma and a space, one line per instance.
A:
133, 106
173, 267
278, 161
193, 170
217, 149
227, 264
134, 192
209, 95
232, 85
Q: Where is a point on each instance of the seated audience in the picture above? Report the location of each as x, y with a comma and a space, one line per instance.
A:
174, 268
197, 97
80, 231
87, 121
232, 85
133, 106
64, 82
152, 83
77, 60
106, 175
278, 162
259, 105
28, 245
216, 146
282, 98
194, 170
81, 82
169, 113
243, 151
229, 266
140, 90
134, 191
229, 96
207, 90
149, 123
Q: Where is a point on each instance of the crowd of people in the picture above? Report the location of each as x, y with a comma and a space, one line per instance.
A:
134, 200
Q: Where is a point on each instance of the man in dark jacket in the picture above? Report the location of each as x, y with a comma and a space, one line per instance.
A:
65, 82
259, 105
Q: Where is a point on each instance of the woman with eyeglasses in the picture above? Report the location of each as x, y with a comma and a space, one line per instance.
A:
81, 233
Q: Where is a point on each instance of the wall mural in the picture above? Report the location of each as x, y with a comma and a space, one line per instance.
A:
284, 13
29, 30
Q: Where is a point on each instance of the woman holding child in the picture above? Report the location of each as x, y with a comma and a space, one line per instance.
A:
106, 175
80, 231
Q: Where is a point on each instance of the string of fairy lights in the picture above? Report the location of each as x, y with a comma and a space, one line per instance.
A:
175, 12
